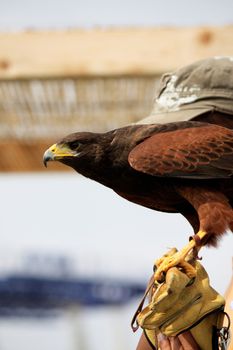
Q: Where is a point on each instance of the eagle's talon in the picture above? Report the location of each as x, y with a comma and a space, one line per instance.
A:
177, 261
180, 259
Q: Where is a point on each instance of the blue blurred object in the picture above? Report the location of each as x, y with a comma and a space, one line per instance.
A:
19, 294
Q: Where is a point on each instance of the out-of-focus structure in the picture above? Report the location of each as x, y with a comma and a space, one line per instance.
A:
54, 83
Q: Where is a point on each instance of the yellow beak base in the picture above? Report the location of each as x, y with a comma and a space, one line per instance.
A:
57, 152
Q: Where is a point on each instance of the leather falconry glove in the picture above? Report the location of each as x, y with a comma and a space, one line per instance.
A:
181, 303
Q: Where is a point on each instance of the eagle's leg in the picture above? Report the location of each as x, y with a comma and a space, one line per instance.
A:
179, 258
214, 215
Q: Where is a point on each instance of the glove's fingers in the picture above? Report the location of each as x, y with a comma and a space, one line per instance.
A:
188, 342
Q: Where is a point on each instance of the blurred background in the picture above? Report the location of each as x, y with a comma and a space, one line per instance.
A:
75, 257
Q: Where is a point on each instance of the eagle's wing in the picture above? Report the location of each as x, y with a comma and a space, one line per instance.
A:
201, 152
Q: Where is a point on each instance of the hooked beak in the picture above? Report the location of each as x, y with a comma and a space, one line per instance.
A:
57, 152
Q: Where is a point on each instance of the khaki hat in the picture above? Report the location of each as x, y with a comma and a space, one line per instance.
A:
203, 86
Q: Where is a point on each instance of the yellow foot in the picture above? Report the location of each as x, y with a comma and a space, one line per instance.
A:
174, 258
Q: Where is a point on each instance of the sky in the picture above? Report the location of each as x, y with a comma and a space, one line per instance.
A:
18, 14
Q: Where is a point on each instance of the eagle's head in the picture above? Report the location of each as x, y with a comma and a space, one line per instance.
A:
100, 156
78, 150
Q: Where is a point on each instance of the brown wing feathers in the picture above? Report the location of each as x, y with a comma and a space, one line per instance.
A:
197, 152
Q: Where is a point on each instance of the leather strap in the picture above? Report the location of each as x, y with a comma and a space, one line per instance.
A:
140, 306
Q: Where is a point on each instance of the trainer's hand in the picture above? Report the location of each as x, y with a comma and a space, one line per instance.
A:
184, 341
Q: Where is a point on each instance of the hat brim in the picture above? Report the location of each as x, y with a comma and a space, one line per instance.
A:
174, 116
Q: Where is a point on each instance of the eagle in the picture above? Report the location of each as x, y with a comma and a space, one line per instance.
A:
181, 167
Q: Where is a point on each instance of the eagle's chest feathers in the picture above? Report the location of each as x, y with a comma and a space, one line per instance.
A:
145, 190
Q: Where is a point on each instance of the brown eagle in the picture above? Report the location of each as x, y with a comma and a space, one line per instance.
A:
182, 167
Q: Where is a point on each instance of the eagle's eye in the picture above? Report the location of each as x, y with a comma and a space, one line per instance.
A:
74, 145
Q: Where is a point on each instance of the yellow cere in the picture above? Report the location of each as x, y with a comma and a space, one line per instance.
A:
60, 151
